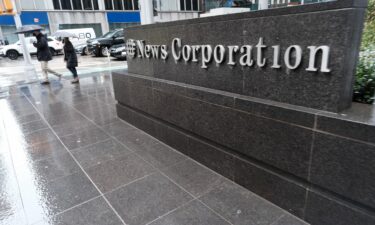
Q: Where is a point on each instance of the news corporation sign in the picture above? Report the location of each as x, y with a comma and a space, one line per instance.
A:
250, 55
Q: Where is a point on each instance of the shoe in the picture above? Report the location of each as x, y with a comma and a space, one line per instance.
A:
44, 82
75, 80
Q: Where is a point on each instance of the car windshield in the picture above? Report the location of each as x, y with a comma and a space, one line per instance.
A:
109, 34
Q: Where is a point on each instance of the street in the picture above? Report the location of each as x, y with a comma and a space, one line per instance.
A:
15, 72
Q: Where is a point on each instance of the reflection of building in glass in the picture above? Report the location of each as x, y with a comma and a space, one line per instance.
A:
101, 15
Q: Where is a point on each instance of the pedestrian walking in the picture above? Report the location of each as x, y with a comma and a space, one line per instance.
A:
44, 55
71, 59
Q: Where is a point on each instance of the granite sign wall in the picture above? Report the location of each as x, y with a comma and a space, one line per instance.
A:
254, 97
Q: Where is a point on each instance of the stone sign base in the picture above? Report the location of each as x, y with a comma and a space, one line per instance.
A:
317, 165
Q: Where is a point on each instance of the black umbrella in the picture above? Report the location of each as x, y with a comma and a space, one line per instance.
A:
28, 29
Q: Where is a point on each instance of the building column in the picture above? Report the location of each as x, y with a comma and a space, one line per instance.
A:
147, 11
263, 4
25, 50
1, 34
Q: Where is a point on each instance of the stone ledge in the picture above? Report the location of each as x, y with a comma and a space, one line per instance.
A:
358, 122
319, 208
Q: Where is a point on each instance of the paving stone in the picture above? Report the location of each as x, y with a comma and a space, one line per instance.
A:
28, 118
84, 137
94, 212
60, 119
161, 156
115, 173
289, 220
240, 206
147, 199
57, 196
136, 140
40, 136
117, 128
55, 167
33, 126
100, 152
195, 178
70, 127
44, 150
11, 208
193, 213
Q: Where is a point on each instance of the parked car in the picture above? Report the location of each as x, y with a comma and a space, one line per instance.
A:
13, 51
118, 51
82, 49
100, 46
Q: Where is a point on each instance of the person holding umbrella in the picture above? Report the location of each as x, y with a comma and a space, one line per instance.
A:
44, 55
71, 59
70, 53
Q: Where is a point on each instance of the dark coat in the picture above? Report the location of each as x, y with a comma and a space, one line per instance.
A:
43, 53
70, 55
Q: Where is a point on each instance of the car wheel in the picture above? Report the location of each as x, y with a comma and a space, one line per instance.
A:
12, 54
85, 51
53, 52
104, 51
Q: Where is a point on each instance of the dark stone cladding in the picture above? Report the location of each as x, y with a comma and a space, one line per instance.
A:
337, 24
265, 129
304, 160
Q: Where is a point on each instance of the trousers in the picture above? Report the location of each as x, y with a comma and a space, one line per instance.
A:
74, 71
46, 70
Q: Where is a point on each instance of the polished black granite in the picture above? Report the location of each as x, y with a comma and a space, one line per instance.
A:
290, 155
337, 24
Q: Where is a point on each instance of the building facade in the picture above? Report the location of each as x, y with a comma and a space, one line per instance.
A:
106, 15
101, 15
170, 10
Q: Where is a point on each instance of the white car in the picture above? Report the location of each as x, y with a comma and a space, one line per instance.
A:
13, 51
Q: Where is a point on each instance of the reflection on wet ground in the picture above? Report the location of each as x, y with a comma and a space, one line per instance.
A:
65, 158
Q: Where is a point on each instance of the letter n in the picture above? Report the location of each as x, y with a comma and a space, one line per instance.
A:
325, 58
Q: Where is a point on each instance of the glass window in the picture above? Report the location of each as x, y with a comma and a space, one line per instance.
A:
77, 5
9, 35
188, 5
195, 5
118, 34
96, 26
136, 5
109, 34
40, 4
56, 4
96, 5
27, 4
65, 4
87, 4
167, 5
113, 26
128, 4
117, 4
108, 5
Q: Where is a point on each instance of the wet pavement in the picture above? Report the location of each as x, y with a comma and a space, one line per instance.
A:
16, 72
65, 158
